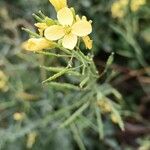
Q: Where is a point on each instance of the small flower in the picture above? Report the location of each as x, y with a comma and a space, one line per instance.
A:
105, 106
114, 118
118, 8
37, 44
58, 4
136, 4
31, 137
3, 82
18, 116
88, 42
68, 29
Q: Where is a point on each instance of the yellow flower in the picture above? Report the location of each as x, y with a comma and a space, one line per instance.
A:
135, 4
3, 81
18, 116
114, 118
117, 8
58, 4
69, 30
31, 138
105, 106
37, 44
88, 42
41, 27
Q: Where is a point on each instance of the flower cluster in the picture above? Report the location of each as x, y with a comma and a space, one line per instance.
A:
66, 30
118, 7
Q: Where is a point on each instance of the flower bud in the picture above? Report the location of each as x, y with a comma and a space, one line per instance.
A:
58, 4
18, 116
88, 42
3, 81
114, 118
38, 44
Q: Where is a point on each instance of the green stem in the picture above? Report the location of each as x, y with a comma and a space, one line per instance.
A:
77, 137
75, 115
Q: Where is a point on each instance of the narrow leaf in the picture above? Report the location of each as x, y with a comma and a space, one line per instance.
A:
99, 122
64, 86
55, 76
75, 115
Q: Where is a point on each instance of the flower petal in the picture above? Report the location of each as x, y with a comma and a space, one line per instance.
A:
54, 32
65, 16
41, 27
58, 4
38, 44
82, 28
88, 42
69, 41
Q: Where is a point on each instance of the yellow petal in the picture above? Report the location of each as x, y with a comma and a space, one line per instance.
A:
59, 4
3, 81
88, 42
65, 16
41, 25
41, 31
54, 32
82, 28
69, 41
37, 44
77, 18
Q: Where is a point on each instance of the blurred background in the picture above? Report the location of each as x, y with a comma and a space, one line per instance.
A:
120, 27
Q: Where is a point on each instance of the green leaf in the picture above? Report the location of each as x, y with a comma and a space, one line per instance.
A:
75, 115
37, 18
31, 33
64, 86
99, 122
55, 76
84, 82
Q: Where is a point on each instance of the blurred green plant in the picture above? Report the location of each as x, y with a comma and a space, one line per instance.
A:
86, 75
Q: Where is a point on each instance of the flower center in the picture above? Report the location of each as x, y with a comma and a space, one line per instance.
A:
67, 29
